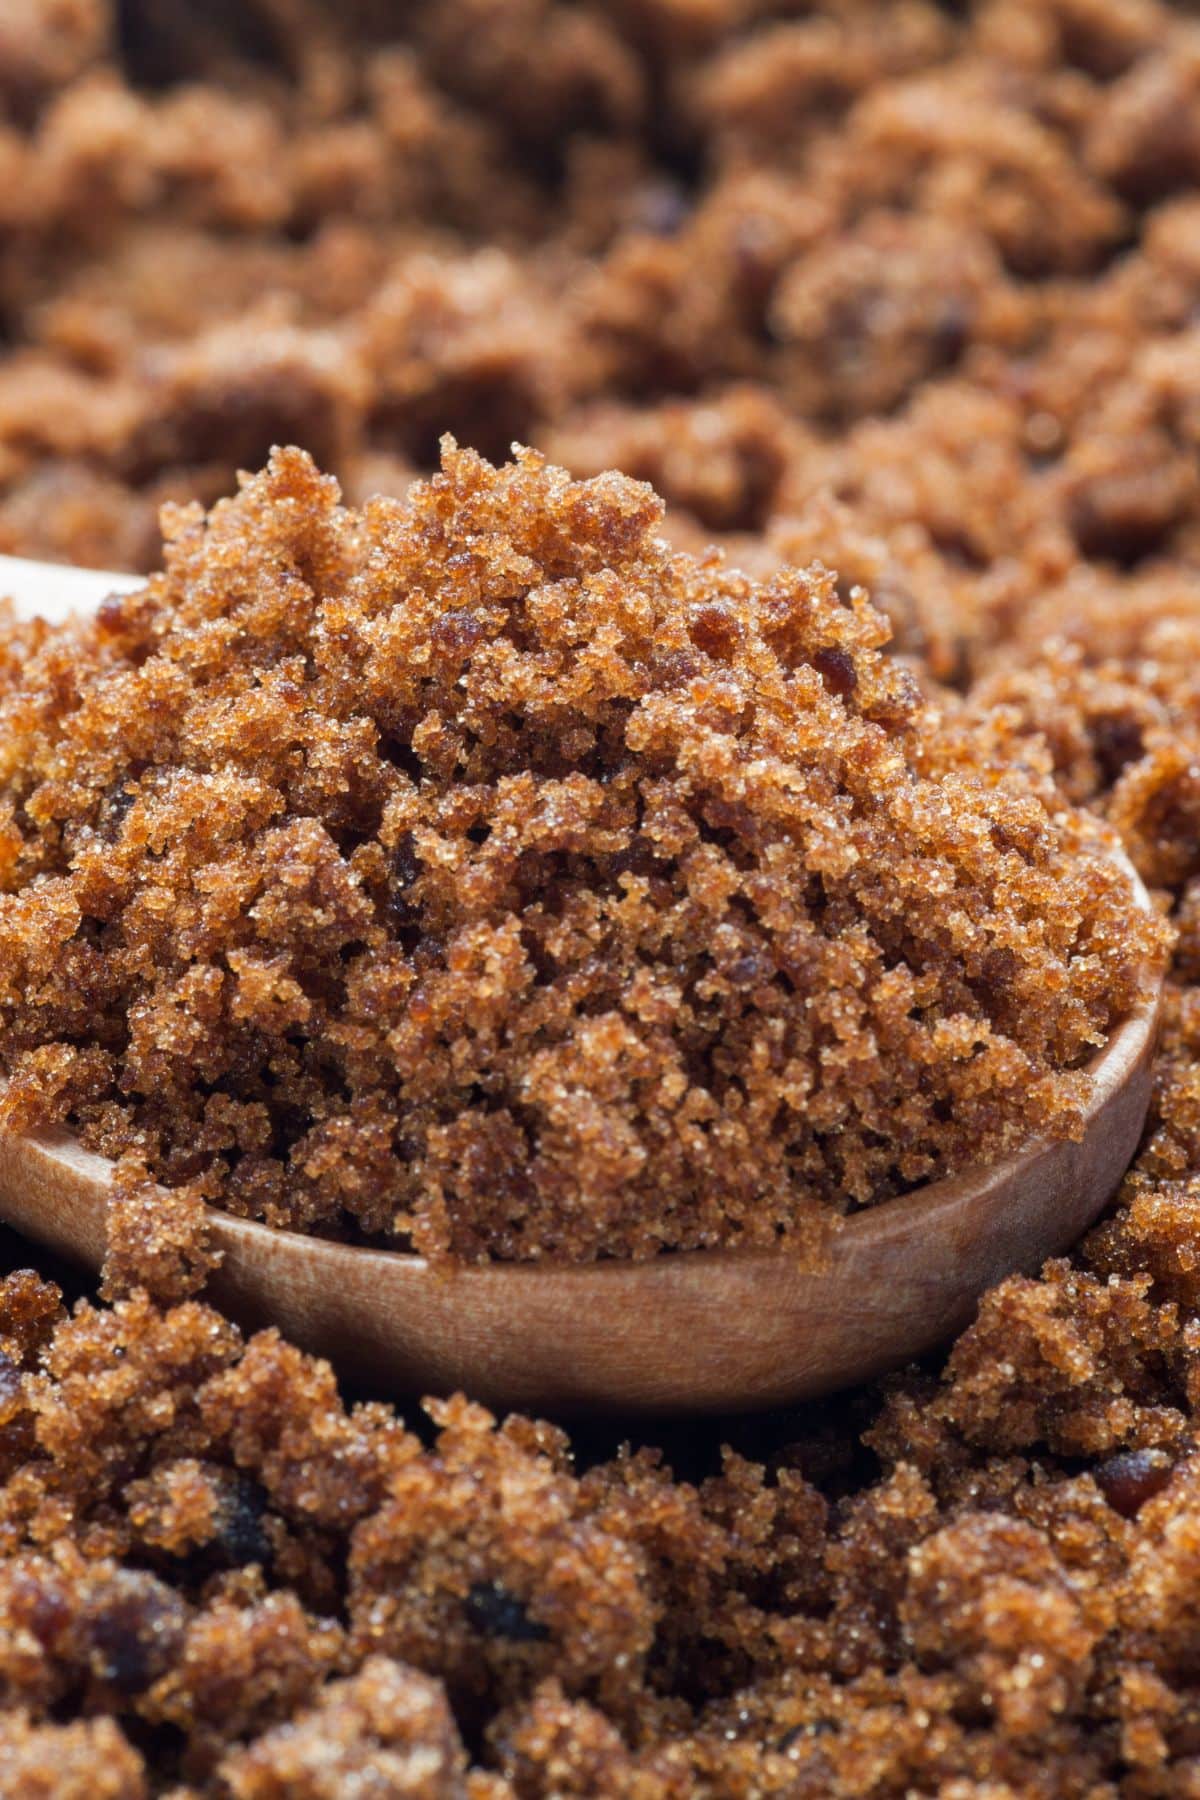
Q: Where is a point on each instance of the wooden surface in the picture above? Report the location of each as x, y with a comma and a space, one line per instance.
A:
700, 1331
52, 590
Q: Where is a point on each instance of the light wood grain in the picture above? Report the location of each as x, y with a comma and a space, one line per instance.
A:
693, 1332
54, 590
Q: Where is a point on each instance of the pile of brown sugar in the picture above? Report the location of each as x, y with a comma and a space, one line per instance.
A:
475, 871
907, 287
218, 1578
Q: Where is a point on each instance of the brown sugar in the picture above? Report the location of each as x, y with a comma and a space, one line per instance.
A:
907, 290
586, 901
386, 1731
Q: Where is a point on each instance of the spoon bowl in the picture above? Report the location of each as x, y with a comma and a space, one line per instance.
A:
698, 1331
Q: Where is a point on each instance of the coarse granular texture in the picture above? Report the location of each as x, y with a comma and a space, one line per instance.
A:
475, 872
904, 287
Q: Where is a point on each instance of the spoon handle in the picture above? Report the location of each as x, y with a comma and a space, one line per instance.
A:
55, 590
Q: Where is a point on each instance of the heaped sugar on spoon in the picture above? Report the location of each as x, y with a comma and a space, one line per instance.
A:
542, 962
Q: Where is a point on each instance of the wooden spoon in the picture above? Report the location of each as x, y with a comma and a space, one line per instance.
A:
52, 590
694, 1331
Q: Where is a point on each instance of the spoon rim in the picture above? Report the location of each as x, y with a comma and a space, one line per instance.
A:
684, 1332
896, 1217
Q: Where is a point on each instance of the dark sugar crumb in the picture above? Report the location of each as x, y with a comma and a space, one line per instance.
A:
498, 1614
240, 1535
208, 1521
134, 1632
837, 671
1128, 1480
10, 1387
